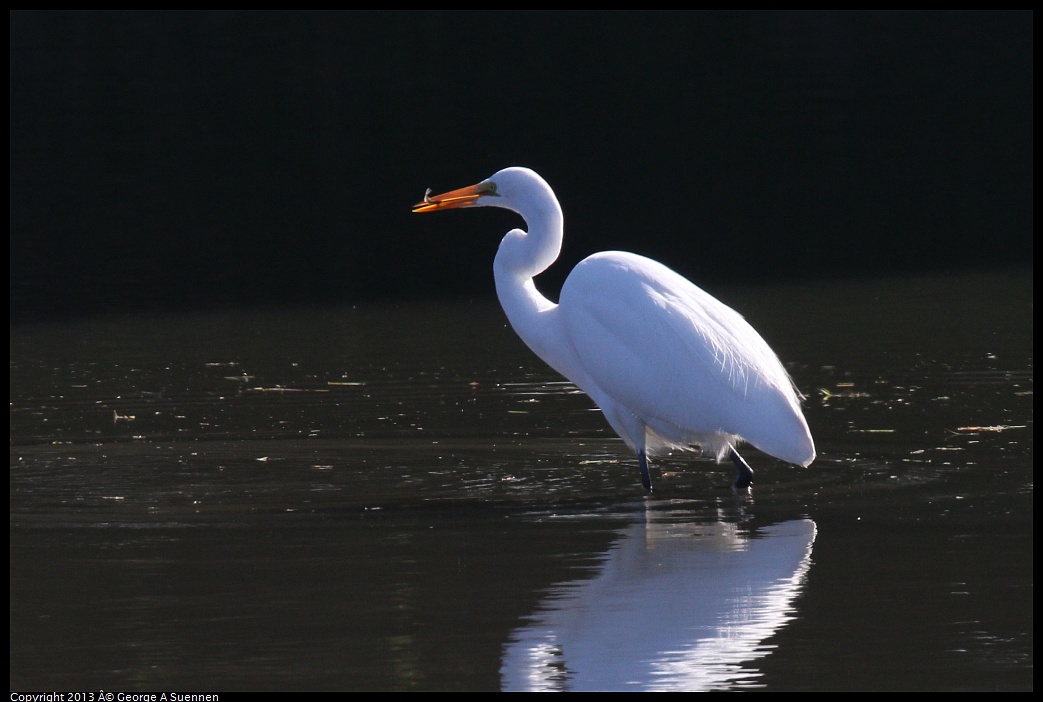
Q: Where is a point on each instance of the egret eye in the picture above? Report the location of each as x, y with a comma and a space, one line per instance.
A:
487, 188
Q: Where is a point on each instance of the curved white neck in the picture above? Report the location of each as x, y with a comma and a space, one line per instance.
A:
521, 256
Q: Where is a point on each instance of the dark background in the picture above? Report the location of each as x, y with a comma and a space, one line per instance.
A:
193, 160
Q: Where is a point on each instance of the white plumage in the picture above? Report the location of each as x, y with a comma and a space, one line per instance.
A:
669, 365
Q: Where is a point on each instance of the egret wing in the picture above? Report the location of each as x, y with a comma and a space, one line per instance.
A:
683, 362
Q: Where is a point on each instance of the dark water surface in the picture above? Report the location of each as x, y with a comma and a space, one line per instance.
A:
405, 498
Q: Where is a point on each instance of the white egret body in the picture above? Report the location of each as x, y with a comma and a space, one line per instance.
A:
669, 365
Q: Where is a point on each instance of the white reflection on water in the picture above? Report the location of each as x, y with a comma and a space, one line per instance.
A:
674, 607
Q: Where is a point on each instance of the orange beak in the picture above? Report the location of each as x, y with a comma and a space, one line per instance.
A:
464, 197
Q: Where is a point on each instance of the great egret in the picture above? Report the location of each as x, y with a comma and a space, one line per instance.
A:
669, 365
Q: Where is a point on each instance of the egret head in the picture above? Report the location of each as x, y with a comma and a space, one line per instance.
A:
512, 188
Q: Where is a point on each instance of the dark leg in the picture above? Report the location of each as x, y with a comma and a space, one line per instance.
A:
642, 463
743, 472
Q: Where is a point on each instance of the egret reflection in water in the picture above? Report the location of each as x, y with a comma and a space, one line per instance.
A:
675, 606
